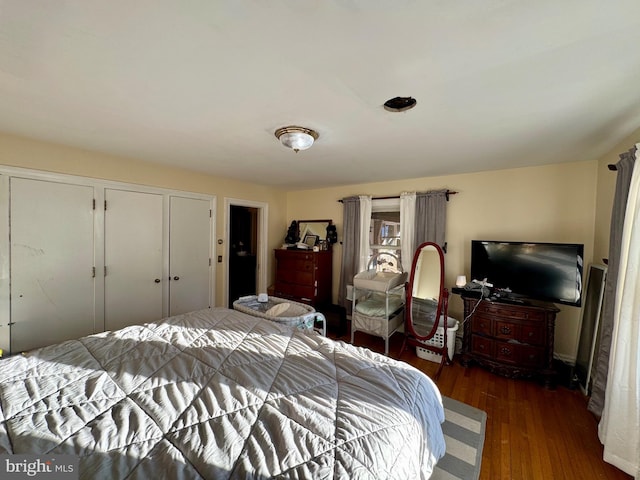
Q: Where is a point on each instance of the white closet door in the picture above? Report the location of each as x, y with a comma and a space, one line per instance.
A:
189, 247
52, 251
133, 258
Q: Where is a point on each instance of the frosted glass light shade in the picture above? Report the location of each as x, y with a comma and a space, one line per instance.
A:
296, 138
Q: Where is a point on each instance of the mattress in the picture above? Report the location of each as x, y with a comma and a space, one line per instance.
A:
220, 394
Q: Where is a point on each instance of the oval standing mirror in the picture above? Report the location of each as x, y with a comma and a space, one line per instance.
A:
427, 301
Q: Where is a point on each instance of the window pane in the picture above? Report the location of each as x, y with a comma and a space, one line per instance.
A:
386, 260
385, 228
384, 239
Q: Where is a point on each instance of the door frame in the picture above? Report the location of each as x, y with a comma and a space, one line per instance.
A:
261, 247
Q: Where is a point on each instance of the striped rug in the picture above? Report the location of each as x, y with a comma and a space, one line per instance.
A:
464, 434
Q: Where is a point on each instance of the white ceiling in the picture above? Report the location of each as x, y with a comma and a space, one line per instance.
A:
203, 84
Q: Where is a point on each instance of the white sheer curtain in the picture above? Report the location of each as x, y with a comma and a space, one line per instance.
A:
407, 228
619, 428
365, 226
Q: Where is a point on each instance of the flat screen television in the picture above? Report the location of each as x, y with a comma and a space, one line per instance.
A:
524, 270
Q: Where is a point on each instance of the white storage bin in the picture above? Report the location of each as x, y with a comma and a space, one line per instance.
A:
438, 341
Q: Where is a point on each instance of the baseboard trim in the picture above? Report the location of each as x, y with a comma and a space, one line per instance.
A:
565, 359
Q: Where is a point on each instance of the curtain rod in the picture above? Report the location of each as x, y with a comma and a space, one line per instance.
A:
612, 167
447, 193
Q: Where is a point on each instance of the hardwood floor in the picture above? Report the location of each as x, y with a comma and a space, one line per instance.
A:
532, 433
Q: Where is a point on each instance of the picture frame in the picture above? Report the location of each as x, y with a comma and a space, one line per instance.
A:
311, 240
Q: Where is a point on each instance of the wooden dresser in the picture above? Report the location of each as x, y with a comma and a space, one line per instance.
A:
513, 340
304, 276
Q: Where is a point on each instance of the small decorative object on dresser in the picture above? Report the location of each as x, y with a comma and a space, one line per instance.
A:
304, 276
510, 340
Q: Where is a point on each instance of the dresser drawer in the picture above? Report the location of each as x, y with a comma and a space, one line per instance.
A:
511, 311
532, 334
481, 346
517, 354
527, 333
506, 352
302, 264
481, 324
507, 330
291, 290
301, 277
294, 255
531, 356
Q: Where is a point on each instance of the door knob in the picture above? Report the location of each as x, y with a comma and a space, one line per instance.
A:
157, 280
176, 278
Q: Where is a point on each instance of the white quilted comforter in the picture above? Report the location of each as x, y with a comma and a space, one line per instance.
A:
219, 394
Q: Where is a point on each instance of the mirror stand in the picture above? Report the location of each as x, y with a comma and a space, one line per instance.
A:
427, 304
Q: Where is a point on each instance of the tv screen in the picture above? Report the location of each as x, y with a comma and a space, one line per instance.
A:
540, 271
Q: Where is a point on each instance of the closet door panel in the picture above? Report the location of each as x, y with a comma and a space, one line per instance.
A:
133, 258
52, 258
189, 253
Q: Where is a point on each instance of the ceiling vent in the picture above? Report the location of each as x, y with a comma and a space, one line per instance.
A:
400, 104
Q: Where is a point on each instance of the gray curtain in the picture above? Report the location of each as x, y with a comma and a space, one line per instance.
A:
623, 181
431, 217
350, 242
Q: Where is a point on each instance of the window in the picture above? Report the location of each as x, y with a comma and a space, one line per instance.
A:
385, 253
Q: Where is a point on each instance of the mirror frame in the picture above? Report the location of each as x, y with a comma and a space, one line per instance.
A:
322, 237
442, 295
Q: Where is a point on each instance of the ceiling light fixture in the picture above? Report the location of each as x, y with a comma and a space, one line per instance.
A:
296, 138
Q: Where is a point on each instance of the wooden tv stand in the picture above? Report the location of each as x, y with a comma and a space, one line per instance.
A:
512, 340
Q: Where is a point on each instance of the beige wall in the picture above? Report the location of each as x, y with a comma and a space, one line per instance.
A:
554, 203
565, 203
606, 190
25, 153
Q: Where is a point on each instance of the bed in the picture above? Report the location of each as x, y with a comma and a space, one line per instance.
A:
220, 394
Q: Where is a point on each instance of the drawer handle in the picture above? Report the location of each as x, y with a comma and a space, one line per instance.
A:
531, 334
531, 357
481, 347
505, 330
505, 351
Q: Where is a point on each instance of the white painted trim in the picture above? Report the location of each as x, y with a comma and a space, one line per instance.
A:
95, 182
98, 259
565, 358
263, 222
5, 267
212, 251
